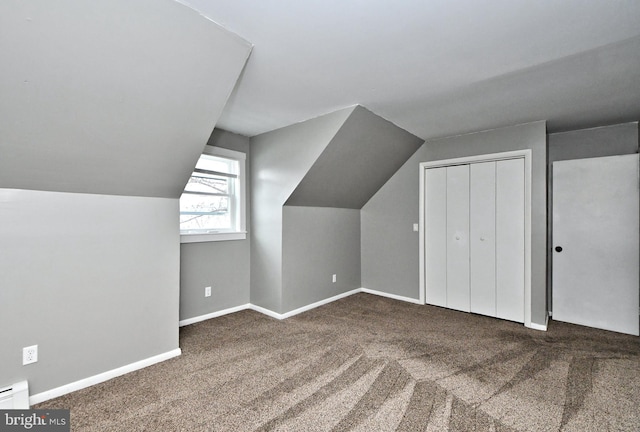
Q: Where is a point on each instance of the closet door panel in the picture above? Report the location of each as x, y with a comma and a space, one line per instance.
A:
482, 238
458, 237
436, 236
510, 239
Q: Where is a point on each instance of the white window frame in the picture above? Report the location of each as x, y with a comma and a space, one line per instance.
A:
240, 201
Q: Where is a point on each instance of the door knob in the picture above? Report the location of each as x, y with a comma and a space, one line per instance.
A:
558, 248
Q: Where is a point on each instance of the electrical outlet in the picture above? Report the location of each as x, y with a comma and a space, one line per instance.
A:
334, 278
207, 291
29, 355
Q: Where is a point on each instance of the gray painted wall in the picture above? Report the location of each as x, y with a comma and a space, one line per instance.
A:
317, 243
595, 142
390, 259
584, 143
364, 154
121, 109
279, 160
95, 103
329, 167
222, 265
91, 279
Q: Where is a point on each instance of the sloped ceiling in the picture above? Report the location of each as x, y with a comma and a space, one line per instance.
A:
365, 152
280, 159
435, 68
110, 96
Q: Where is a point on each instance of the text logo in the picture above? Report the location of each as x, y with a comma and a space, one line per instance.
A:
35, 420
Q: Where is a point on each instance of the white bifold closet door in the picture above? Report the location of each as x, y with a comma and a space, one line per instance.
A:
483, 238
458, 237
475, 238
510, 239
436, 232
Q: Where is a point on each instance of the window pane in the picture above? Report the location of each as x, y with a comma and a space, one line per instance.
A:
213, 163
205, 223
208, 184
204, 203
203, 212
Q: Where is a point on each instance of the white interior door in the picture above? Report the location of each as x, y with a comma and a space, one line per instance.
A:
458, 237
436, 236
595, 239
483, 238
510, 240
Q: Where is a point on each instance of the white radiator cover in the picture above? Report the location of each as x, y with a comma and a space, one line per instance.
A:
15, 396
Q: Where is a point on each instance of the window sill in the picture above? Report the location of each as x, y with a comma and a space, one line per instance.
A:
212, 237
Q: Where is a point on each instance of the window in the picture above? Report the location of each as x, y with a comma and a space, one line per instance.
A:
212, 206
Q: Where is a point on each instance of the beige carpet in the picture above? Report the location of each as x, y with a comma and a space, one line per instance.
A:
367, 363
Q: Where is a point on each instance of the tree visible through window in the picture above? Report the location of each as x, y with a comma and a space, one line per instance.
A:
212, 202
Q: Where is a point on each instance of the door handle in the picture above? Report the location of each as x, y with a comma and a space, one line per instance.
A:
558, 248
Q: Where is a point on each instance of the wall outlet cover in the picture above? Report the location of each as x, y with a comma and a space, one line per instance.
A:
29, 354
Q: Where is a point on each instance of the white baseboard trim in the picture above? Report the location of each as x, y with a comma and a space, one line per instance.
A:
391, 296
102, 377
320, 303
297, 311
216, 314
540, 326
266, 311
308, 307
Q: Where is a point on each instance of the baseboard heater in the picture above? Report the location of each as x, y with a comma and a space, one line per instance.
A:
15, 396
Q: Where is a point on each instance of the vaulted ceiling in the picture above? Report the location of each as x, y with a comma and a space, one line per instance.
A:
436, 67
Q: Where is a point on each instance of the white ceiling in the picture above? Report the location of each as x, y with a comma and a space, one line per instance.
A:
434, 67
